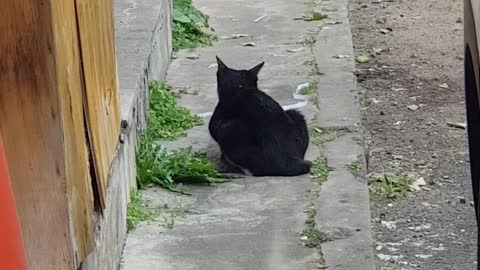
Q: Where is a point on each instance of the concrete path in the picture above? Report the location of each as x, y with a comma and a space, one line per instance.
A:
256, 223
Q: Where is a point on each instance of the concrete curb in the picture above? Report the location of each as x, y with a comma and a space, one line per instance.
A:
343, 205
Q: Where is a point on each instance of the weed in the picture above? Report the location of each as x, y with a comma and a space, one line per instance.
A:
308, 90
390, 185
138, 211
310, 41
310, 62
314, 16
356, 168
364, 99
320, 170
311, 4
314, 236
188, 26
167, 169
166, 119
319, 137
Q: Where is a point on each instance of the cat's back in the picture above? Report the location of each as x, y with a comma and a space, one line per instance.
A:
258, 103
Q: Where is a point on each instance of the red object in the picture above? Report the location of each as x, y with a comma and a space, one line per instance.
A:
12, 252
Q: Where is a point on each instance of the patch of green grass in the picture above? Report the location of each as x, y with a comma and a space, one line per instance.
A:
138, 211
308, 90
319, 137
356, 168
320, 170
188, 26
390, 185
314, 16
166, 119
167, 169
314, 236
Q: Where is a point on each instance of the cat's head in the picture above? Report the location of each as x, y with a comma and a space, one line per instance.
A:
231, 81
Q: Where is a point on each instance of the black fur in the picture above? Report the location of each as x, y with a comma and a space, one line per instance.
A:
252, 129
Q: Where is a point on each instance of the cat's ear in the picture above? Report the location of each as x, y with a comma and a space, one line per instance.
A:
257, 68
221, 65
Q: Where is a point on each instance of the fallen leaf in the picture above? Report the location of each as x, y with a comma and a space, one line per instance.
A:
318, 130
418, 184
381, 20
443, 86
333, 23
192, 56
362, 59
377, 51
413, 107
259, 19
423, 256
384, 257
391, 225
384, 31
296, 50
249, 44
341, 56
239, 35
233, 36
457, 125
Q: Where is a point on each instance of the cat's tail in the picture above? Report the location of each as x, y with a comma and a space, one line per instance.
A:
295, 167
299, 167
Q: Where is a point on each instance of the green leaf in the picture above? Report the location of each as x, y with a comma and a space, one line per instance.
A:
182, 19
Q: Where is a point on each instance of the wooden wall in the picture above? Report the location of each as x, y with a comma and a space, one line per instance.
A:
57, 84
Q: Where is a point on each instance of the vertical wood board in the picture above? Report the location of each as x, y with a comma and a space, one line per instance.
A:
96, 31
32, 132
70, 89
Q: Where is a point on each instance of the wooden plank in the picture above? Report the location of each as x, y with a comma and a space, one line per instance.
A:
95, 24
41, 117
30, 123
70, 89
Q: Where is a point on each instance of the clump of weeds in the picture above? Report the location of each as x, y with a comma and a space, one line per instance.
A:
189, 25
390, 185
155, 165
313, 236
138, 211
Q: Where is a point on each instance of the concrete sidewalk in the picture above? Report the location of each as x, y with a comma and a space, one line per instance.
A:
256, 223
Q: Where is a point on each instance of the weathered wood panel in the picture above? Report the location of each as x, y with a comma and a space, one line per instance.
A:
95, 24
70, 89
41, 119
30, 123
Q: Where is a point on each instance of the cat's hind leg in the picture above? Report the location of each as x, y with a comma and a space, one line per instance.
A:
300, 130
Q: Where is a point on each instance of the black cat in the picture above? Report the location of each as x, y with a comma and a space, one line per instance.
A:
252, 129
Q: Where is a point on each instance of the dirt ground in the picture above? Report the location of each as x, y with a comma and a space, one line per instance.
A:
433, 229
